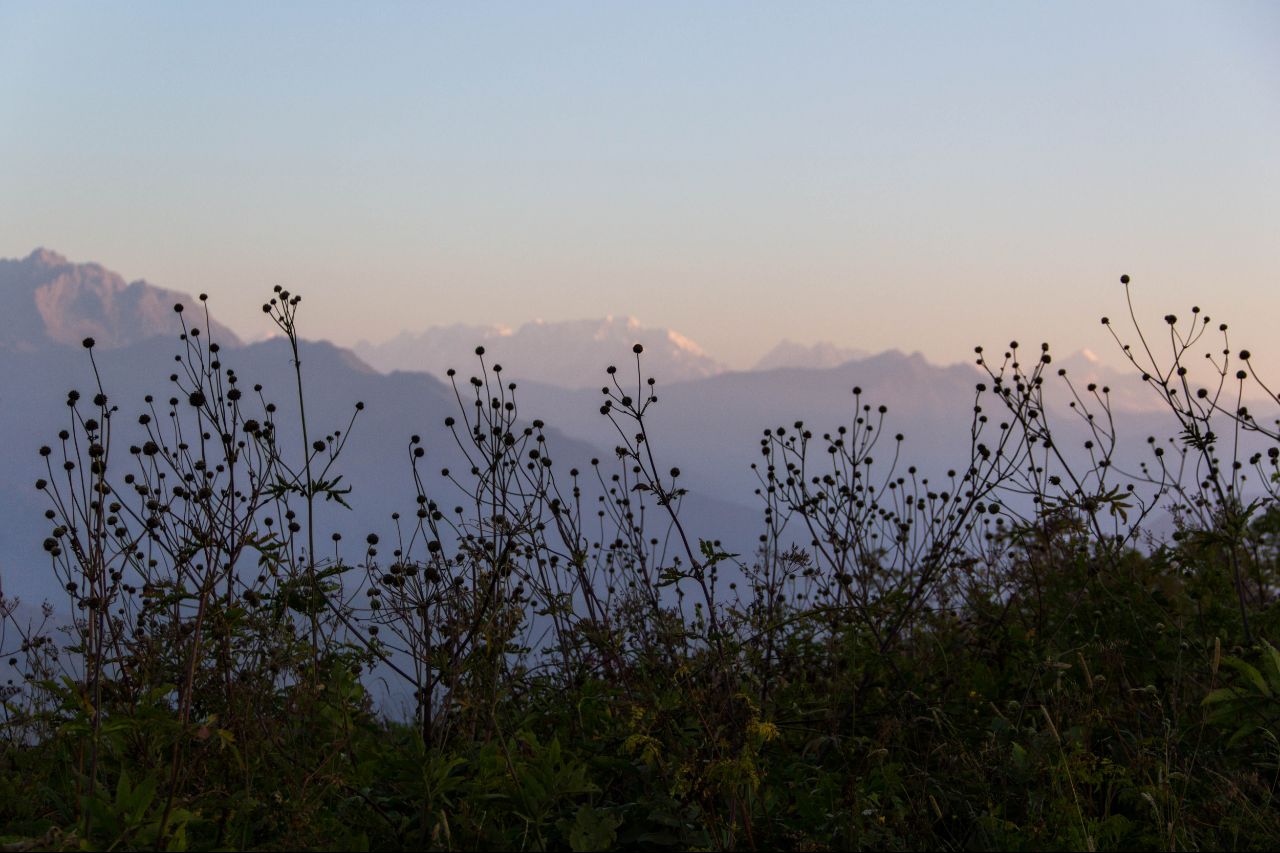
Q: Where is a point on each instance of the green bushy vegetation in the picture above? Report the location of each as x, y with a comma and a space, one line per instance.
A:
1005, 657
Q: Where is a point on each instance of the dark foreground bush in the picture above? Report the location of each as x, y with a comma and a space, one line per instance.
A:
1001, 658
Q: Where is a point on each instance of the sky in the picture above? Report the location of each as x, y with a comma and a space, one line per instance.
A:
920, 176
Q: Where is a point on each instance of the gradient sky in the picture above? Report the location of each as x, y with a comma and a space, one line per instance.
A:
921, 176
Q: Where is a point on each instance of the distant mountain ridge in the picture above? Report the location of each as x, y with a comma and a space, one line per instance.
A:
47, 300
568, 353
814, 356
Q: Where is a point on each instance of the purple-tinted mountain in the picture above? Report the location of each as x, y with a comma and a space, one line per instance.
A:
820, 355
138, 335
568, 354
711, 428
47, 300
708, 425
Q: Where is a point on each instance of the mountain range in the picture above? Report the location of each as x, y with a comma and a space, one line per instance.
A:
564, 353
708, 420
569, 354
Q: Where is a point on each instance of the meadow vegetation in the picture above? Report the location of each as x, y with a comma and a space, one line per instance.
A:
1036, 650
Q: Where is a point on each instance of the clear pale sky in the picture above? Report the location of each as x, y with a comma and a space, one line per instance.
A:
921, 176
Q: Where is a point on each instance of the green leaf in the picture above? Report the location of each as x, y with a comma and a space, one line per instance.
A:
1249, 672
1242, 733
1222, 694
712, 554
1273, 671
1019, 756
592, 829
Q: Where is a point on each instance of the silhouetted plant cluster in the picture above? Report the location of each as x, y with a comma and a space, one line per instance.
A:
532, 655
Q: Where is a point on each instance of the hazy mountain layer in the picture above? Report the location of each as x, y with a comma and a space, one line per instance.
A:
709, 425
563, 353
822, 354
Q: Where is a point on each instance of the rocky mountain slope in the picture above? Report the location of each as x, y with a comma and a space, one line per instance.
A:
47, 300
